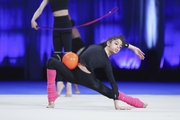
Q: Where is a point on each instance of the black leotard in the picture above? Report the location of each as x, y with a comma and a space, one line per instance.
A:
59, 4
95, 57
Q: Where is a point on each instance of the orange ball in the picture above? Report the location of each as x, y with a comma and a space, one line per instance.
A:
70, 59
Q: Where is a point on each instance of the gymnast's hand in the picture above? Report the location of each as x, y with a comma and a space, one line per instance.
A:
117, 106
34, 24
137, 51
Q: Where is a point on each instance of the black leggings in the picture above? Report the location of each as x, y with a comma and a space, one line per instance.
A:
77, 76
77, 44
61, 39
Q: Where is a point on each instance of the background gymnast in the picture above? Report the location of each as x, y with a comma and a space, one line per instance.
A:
77, 47
61, 38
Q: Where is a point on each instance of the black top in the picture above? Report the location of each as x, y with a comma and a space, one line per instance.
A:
59, 4
95, 57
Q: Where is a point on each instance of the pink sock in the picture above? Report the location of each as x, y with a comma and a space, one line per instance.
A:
51, 85
130, 100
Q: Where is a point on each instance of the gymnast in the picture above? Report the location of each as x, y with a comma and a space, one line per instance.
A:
95, 56
61, 38
77, 47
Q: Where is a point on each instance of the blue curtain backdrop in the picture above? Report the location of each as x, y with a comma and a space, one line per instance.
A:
152, 25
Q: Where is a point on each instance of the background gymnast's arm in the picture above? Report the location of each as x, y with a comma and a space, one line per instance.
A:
38, 13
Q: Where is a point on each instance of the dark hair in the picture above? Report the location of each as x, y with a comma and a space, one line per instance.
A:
110, 39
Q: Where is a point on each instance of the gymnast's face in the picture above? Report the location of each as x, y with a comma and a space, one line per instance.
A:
114, 46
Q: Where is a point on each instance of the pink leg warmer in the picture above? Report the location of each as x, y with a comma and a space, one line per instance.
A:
51, 85
130, 100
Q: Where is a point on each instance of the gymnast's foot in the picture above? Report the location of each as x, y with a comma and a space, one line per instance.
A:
51, 105
145, 105
77, 92
68, 94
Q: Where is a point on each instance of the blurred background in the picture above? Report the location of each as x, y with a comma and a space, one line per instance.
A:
151, 25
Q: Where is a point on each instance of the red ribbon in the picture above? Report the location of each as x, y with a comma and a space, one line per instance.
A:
86, 24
